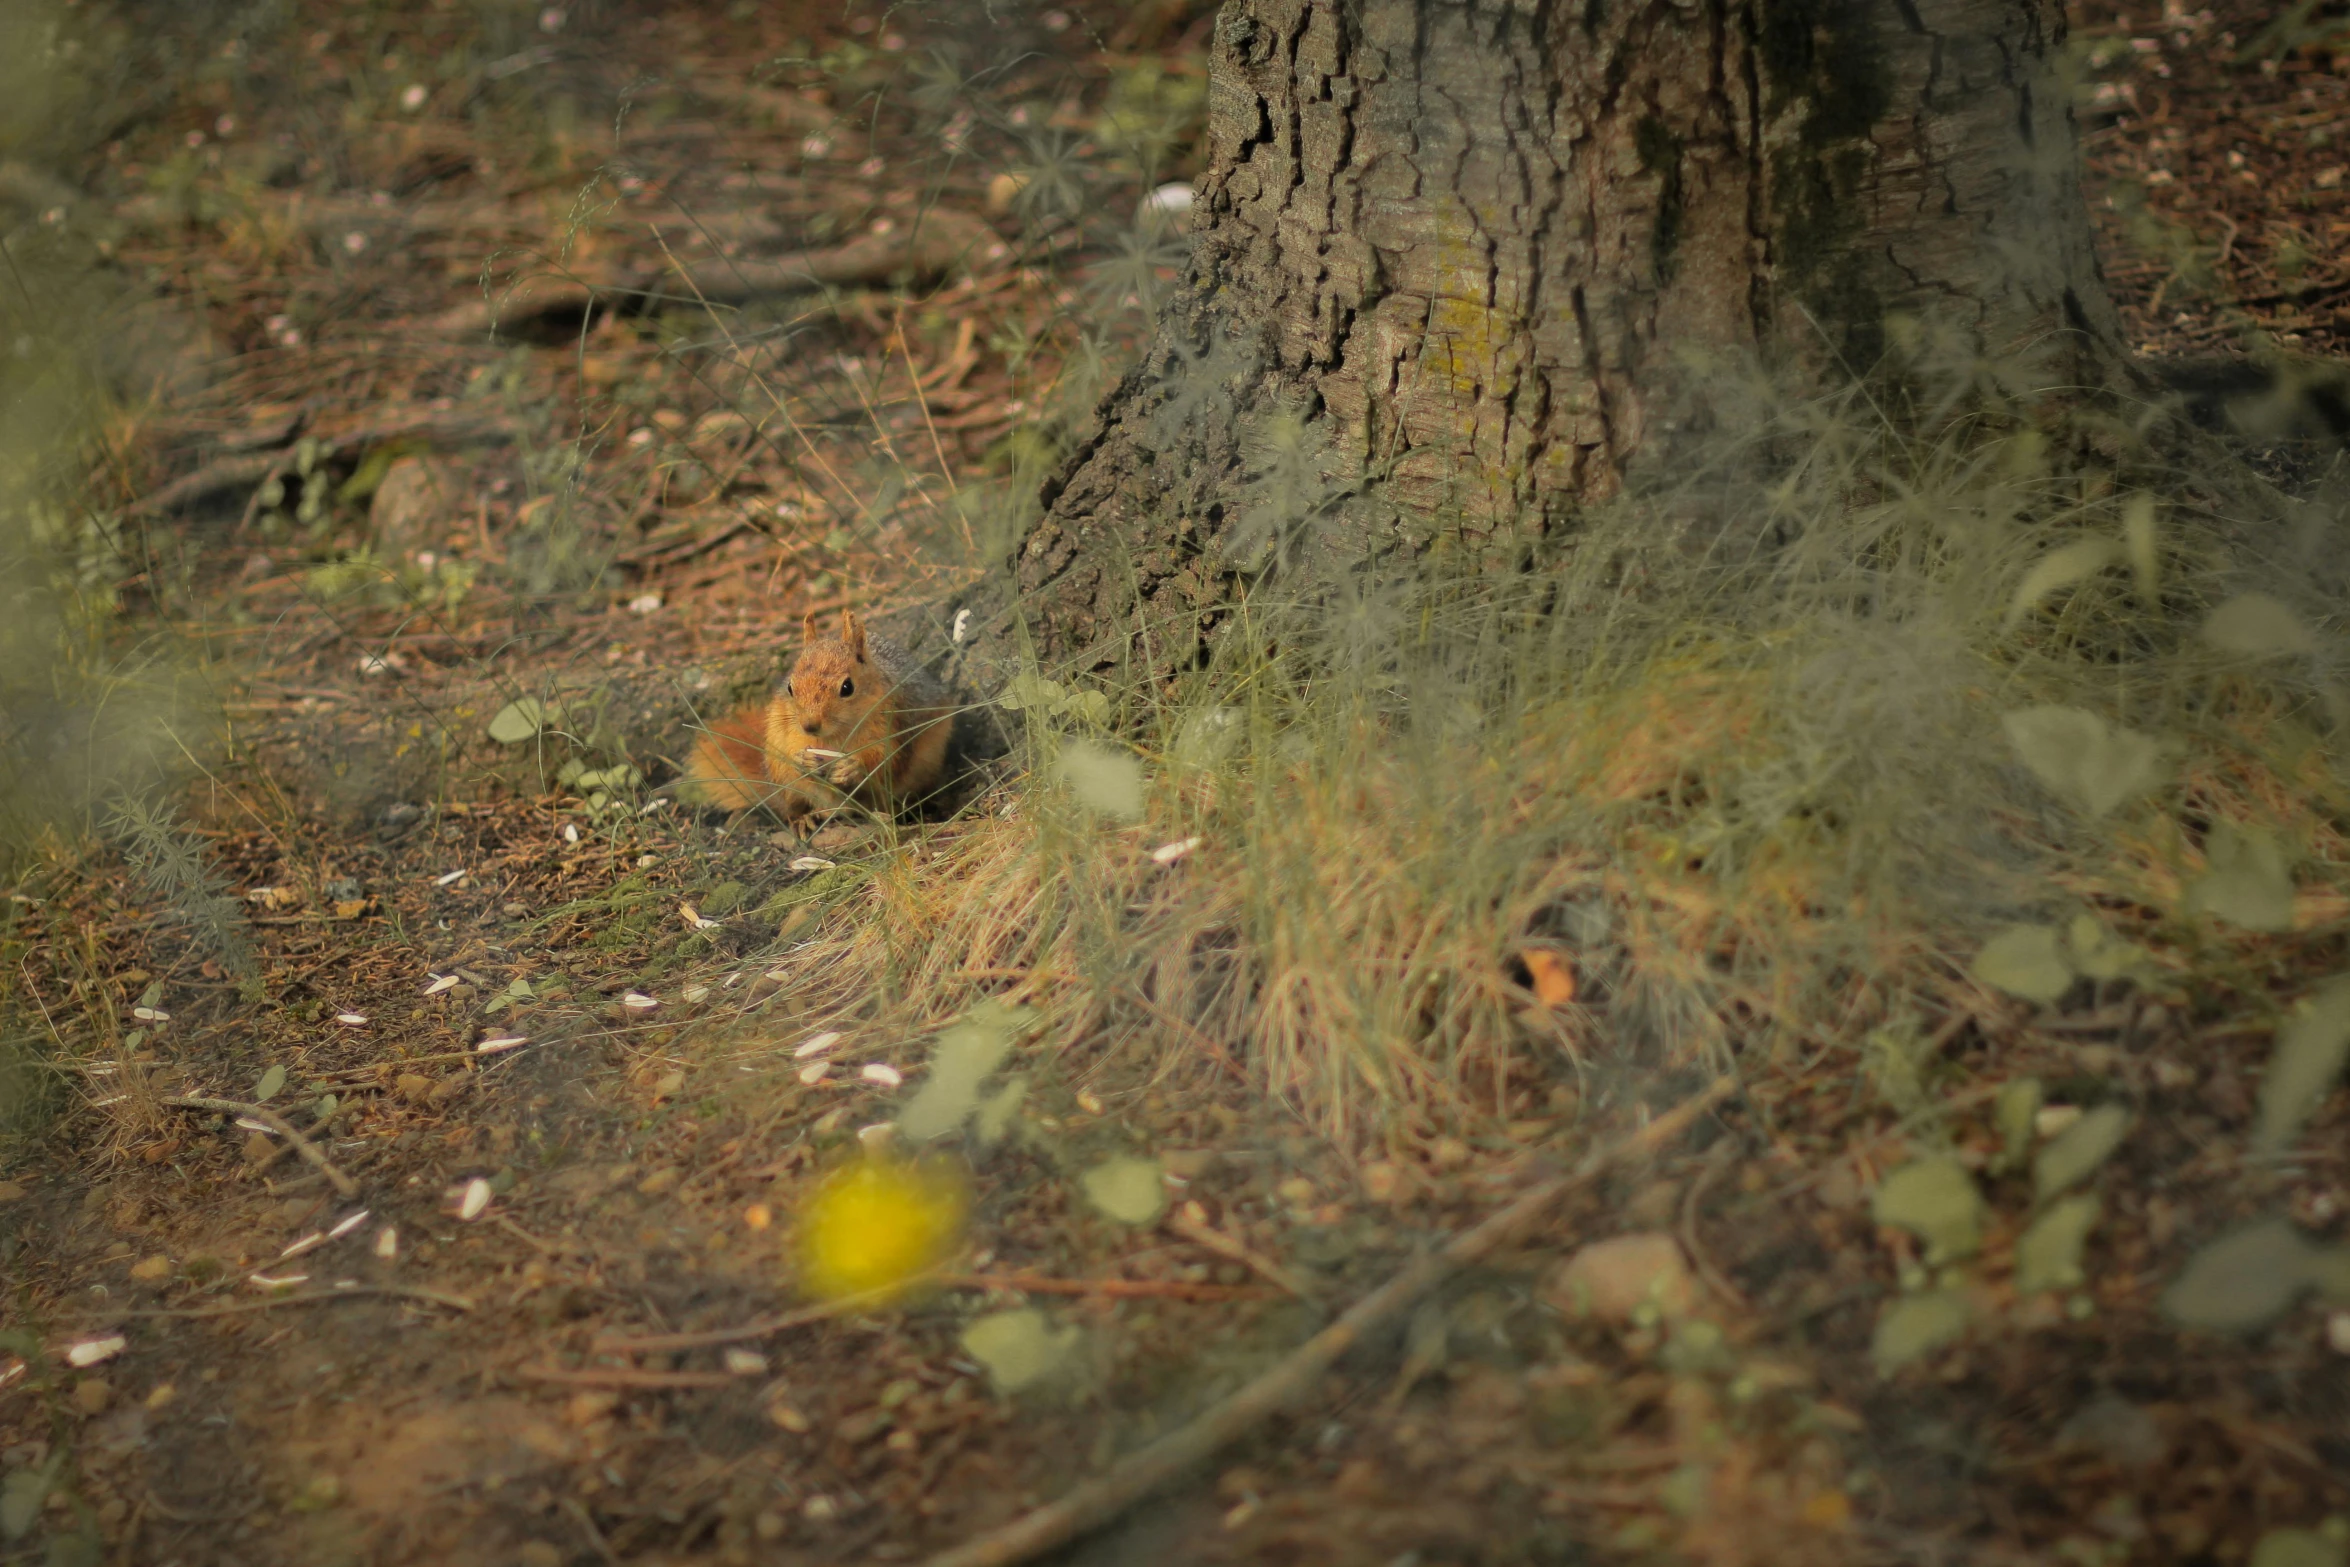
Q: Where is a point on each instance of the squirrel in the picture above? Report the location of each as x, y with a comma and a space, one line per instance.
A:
856, 717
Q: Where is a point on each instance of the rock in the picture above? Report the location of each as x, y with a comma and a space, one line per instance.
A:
415, 507
1612, 1279
660, 1181
414, 1087
153, 1270
91, 1395
450, 1087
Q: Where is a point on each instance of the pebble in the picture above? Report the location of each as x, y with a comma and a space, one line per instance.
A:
1611, 1279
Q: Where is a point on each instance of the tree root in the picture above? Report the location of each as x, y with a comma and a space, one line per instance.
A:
1094, 1503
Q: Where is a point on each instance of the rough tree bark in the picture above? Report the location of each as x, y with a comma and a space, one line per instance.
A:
1447, 251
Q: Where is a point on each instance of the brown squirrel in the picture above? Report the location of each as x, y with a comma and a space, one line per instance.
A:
855, 718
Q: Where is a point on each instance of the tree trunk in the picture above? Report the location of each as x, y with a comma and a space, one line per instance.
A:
1448, 253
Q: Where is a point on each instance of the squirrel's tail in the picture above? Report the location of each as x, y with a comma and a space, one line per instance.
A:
729, 764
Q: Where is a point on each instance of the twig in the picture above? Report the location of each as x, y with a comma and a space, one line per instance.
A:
1225, 1246
579, 1514
1115, 1289
712, 1338
1097, 1501
624, 1376
307, 1298
342, 1183
1715, 1279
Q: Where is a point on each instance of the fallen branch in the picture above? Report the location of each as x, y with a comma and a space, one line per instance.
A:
307, 1298
343, 1184
930, 245
246, 470
1130, 1480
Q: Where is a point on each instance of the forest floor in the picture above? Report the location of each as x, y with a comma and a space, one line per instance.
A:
526, 1011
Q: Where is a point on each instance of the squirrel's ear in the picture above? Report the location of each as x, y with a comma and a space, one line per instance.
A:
808, 631
852, 631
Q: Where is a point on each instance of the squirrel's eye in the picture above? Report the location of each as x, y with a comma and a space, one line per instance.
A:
848, 688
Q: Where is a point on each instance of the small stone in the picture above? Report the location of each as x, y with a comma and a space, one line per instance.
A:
450, 1087
154, 1270
660, 1181
769, 1527
515, 911
91, 1395
1612, 1279
585, 1409
2053, 1119
414, 1087
259, 1149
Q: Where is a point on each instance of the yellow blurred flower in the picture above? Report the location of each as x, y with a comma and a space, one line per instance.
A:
879, 1224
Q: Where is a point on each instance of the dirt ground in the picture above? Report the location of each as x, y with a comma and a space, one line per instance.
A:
541, 1309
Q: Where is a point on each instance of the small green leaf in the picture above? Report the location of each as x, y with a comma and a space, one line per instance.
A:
520, 720
1936, 1200
2097, 953
996, 1111
2304, 1066
2026, 961
1018, 1348
2249, 881
2299, 1548
1128, 1190
1091, 707
1105, 780
2244, 1280
2255, 625
1031, 692
22, 1491
966, 1052
1206, 737
2058, 569
2018, 1107
2048, 1254
271, 1081
2074, 1154
1917, 1325
2091, 765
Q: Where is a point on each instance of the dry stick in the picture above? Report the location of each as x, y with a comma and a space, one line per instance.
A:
712, 1338
309, 1298
1112, 1289
1097, 1501
1226, 1246
342, 1183
624, 1376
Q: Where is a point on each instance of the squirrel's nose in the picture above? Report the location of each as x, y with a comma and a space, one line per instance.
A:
814, 726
